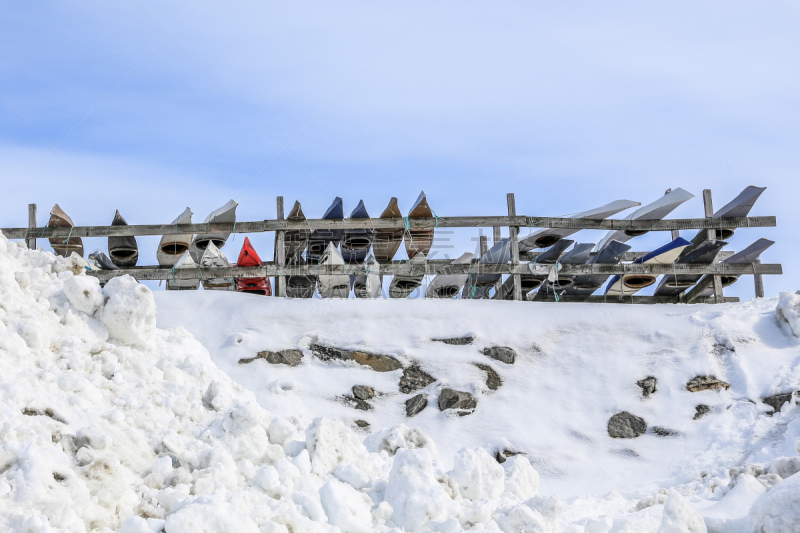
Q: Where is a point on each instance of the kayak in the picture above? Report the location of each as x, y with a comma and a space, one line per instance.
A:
100, 261
369, 284
124, 251
386, 241
333, 285
531, 281
64, 246
705, 254
748, 256
579, 254
248, 257
547, 237
480, 285
448, 285
171, 247
611, 254
654, 211
633, 283
357, 241
184, 262
419, 240
320, 238
225, 214
299, 286
403, 285
295, 241
214, 258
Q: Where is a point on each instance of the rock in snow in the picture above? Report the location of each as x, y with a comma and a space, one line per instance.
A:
701, 383
414, 378
626, 426
377, 362
453, 399
362, 392
493, 380
416, 404
776, 401
501, 353
648, 385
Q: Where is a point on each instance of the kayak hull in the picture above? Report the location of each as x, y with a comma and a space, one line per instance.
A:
123, 251
61, 246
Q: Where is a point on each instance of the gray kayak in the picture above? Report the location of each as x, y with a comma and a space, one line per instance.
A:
705, 254
547, 237
480, 285
654, 211
184, 262
386, 242
295, 241
100, 261
333, 285
224, 215
124, 251
403, 285
171, 247
611, 254
529, 282
299, 286
357, 242
448, 285
320, 238
64, 246
579, 255
214, 258
370, 283
748, 256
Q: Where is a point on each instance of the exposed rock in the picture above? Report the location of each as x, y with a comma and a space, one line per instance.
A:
501, 353
502, 455
362, 392
648, 385
700, 383
283, 357
362, 423
776, 401
453, 399
358, 403
664, 432
457, 341
377, 362
626, 426
493, 380
701, 410
414, 378
416, 404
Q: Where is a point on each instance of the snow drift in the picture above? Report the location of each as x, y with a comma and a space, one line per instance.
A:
112, 424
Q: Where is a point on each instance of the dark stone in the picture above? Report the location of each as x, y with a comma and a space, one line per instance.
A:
362, 392
416, 404
362, 423
625, 452
626, 426
377, 362
700, 383
358, 403
648, 385
501, 353
493, 380
457, 341
664, 432
414, 378
283, 357
776, 401
701, 410
502, 455
453, 399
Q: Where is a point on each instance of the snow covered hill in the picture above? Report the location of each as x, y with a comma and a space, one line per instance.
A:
112, 423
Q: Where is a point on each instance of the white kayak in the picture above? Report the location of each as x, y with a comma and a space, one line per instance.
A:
370, 283
171, 247
214, 258
185, 262
448, 285
403, 285
748, 256
225, 214
630, 284
654, 211
547, 237
333, 285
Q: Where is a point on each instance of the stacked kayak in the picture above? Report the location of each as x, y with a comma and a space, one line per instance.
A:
64, 246
214, 258
184, 262
249, 258
124, 251
171, 247
225, 214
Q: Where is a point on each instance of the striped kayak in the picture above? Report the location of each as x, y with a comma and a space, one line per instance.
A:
633, 283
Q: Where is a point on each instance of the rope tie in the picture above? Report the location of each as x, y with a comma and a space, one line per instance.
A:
44, 228
67, 241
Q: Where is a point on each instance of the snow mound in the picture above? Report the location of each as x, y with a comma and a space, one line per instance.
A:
788, 311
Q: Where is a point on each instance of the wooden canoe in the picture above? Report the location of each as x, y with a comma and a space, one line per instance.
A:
295, 241
61, 246
386, 241
123, 251
419, 240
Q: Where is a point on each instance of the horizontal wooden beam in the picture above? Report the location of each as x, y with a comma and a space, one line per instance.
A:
633, 299
384, 223
628, 256
430, 268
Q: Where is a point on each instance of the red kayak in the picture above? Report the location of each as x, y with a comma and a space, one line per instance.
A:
249, 258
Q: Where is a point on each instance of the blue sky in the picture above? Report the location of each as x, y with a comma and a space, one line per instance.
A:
149, 107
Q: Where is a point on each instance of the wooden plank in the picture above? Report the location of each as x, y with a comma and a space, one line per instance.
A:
382, 223
626, 257
758, 279
31, 241
513, 233
708, 208
280, 252
496, 235
632, 299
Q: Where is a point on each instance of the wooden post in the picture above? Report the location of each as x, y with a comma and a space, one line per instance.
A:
513, 231
708, 206
676, 233
484, 240
496, 235
280, 253
32, 224
759, 281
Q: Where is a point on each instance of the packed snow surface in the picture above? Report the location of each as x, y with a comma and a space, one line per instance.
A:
112, 423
